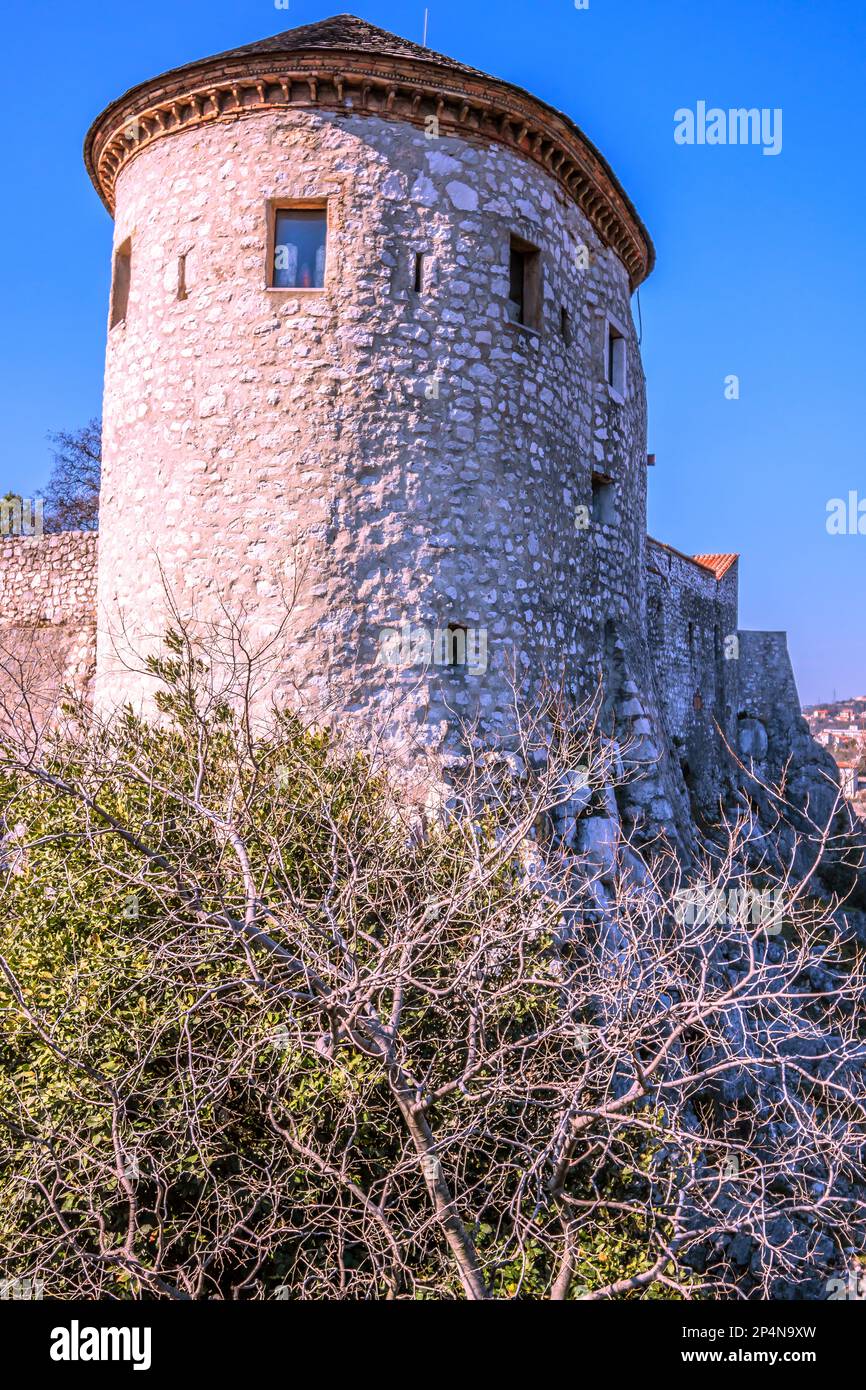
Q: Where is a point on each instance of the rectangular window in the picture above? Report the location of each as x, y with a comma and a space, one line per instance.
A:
120, 282
524, 295
420, 269
517, 290
300, 242
565, 327
603, 500
615, 359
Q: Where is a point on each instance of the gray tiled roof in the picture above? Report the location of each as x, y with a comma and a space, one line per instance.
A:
346, 31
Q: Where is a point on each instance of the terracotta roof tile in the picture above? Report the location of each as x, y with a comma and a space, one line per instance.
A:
719, 564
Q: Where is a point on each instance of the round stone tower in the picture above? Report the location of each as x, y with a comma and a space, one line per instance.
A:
373, 391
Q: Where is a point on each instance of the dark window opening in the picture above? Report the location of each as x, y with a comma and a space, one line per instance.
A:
615, 365
565, 326
603, 500
120, 283
181, 277
517, 291
300, 242
420, 272
451, 646
524, 294
456, 639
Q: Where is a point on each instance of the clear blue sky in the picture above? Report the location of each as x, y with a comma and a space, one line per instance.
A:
760, 260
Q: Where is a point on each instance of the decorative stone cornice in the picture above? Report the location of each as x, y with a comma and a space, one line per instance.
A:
475, 108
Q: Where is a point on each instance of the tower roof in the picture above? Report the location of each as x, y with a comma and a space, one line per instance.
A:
345, 64
347, 31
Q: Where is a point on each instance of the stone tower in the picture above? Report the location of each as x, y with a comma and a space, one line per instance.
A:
372, 384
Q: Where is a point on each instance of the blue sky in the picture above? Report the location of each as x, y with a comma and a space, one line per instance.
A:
760, 270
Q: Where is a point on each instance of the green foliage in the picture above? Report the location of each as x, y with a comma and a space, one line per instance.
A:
180, 1115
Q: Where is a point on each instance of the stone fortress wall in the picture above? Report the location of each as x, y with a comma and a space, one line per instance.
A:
767, 687
691, 615
47, 616
48, 585
728, 696
692, 629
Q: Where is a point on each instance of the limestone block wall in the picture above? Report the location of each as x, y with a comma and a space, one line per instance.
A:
47, 616
767, 686
776, 744
691, 617
337, 463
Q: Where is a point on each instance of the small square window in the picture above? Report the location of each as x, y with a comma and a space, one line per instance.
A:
615, 358
524, 295
603, 500
120, 283
300, 244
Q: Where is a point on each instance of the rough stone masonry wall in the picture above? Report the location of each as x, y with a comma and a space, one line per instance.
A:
779, 753
265, 447
774, 739
47, 617
691, 617
767, 687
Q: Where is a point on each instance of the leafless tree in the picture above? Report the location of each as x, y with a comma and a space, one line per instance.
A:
330, 1048
72, 494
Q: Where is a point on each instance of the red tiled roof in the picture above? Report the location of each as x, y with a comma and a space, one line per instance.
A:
719, 564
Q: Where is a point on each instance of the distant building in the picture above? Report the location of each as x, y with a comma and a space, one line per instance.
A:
850, 775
